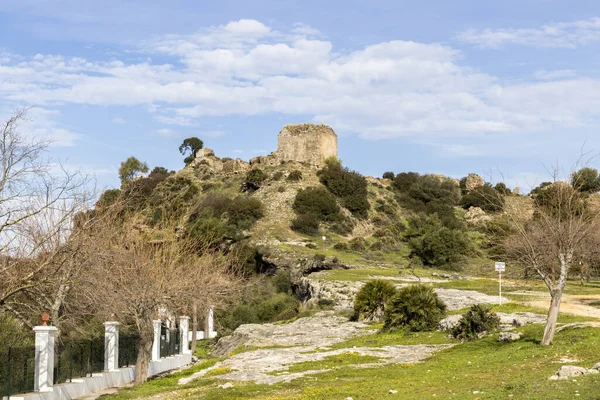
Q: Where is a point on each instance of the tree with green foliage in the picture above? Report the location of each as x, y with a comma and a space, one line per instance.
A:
389, 175
317, 201
191, 145
485, 197
537, 190
131, 169
586, 180
414, 308
349, 186
404, 181
502, 189
435, 244
371, 300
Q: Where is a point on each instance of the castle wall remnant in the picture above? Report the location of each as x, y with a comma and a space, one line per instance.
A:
308, 143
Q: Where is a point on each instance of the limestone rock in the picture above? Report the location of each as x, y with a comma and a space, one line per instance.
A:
507, 337
474, 181
237, 165
270, 160
571, 371
226, 385
307, 143
477, 217
596, 366
206, 158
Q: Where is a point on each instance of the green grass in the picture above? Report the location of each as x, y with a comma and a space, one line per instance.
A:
336, 361
395, 339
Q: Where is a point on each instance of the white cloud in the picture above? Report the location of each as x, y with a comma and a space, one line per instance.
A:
165, 132
43, 124
554, 75
119, 121
561, 34
388, 89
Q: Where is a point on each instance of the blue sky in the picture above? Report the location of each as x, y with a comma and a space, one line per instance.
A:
505, 89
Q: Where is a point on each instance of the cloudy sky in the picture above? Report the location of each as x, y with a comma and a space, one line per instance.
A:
505, 89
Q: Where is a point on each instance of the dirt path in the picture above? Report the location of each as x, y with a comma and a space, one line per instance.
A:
572, 304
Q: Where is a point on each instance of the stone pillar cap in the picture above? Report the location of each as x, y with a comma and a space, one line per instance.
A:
184, 317
42, 328
112, 323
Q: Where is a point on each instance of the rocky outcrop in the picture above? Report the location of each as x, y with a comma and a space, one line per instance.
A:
571, 371
474, 181
477, 217
235, 166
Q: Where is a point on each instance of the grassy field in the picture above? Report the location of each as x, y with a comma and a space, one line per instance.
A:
484, 369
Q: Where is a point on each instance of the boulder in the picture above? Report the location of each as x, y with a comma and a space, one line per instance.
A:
237, 165
508, 337
571, 371
477, 217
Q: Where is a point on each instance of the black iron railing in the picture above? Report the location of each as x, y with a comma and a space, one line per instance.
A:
128, 349
17, 366
78, 359
169, 342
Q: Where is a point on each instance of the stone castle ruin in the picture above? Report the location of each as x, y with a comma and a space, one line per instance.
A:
304, 143
307, 143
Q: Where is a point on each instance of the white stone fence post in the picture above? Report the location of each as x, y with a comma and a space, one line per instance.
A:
184, 341
156, 343
111, 346
44, 358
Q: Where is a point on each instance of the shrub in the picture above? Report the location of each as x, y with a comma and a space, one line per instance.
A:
171, 198
376, 246
389, 175
306, 223
586, 180
437, 245
295, 176
358, 244
277, 176
502, 189
415, 308
349, 186
430, 188
108, 198
404, 181
476, 321
281, 189
311, 245
254, 179
371, 300
484, 197
282, 281
344, 226
343, 246
317, 201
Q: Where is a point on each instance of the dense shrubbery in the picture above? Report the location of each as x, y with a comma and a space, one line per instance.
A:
171, 198
349, 186
502, 189
295, 176
437, 245
586, 180
477, 320
217, 216
317, 201
277, 176
306, 223
389, 175
254, 179
484, 197
265, 299
414, 308
371, 300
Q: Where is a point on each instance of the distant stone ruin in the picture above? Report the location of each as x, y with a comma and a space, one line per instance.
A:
307, 143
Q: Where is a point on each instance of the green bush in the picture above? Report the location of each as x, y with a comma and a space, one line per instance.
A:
429, 188
389, 175
358, 244
295, 176
171, 198
502, 189
437, 245
344, 226
484, 197
317, 201
254, 179
349, 186
371, 300
307, 223
476, 321
414, 308
277, 176
217, 216
586, 180
343, 246
108, 198
404, 181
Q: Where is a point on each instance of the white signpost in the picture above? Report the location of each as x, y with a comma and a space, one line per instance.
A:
500, 268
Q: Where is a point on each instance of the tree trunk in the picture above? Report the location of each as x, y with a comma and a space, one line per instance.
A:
550, 328
194, 327
144, 355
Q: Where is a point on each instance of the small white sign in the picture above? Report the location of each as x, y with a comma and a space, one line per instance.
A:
500, 267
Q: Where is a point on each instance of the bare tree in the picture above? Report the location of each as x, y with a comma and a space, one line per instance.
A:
38, 203
132, 274
560, 232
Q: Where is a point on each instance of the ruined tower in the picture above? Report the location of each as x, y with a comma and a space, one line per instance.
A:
307, 143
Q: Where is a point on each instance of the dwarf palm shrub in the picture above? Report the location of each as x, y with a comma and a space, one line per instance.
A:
370, 301
477, 320
415, 308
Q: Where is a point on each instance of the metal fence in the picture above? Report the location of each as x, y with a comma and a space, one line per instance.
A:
128, 349
169, 341
17, 366
78, 359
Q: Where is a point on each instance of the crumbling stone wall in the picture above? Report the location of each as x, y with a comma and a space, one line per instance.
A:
307, 143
